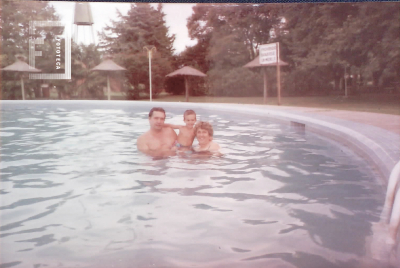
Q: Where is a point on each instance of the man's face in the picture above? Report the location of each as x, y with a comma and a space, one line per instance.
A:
190, 120
157, 120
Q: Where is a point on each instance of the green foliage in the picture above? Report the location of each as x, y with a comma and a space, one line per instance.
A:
229, 36
88, 83
126, 39
319, 41
176, 85
371, 41
323, 39
14, 27
307, 39
303, 82
195, 56
235, 82
11, 86
227, 51
250, 23
84, 83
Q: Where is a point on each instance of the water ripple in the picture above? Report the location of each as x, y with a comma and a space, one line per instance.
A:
76, 192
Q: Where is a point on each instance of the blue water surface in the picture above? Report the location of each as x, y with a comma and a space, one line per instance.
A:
75, 192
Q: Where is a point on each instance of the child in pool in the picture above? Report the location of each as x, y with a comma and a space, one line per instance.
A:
186, 133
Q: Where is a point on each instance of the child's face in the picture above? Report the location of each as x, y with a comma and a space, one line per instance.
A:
190, 120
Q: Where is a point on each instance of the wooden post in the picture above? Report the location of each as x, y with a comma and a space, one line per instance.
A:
187, 88
94, 41
345, 81
149, 50
22, 88
151, 93
108, 86
265, 85
278, 74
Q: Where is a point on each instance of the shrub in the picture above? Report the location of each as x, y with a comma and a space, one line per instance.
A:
236, 82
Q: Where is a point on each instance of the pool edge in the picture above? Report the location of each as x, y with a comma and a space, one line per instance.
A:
373, 150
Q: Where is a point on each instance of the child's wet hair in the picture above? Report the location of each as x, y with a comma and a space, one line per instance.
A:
188, 112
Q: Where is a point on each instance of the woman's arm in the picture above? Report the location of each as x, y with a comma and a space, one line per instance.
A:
214, 147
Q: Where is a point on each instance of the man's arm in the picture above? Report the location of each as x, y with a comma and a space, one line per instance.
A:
141, 145
172, 126
172, 134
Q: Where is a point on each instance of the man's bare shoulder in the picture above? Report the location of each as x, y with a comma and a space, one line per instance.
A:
143, 137
169, 131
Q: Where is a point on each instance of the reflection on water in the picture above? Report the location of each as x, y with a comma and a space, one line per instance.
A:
76, 193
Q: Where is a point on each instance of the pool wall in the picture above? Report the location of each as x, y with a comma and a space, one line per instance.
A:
381, 148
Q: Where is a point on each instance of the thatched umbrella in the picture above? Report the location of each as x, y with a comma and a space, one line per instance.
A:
22, 67
108, 65
256, 63
186, 71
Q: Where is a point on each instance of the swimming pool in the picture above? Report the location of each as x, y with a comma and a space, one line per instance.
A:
76, 193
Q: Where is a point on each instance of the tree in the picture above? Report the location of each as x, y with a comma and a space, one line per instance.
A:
250, 23
176, 85
309, 30
235, 82
324, 39
371, 40
125, 39
84, 83
195, 56
232, 34
14, 26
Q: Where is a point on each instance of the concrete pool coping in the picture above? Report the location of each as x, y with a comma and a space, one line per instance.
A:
376, 137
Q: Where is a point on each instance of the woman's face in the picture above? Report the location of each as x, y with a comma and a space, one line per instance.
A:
202, 136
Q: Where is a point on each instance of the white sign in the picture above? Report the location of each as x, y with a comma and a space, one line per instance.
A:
268, 53
57, 52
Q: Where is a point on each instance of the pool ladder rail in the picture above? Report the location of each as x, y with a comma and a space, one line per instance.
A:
385, 241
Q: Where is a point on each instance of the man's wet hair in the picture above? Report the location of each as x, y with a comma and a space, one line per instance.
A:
204, 125
188, 112
156, 109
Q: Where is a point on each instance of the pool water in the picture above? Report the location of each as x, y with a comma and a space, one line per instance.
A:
75, 192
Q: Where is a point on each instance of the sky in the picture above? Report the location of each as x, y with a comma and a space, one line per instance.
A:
175, 15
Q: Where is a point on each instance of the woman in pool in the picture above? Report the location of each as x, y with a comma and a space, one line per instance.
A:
204, 134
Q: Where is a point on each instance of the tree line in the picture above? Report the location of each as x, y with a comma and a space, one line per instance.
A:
319, 41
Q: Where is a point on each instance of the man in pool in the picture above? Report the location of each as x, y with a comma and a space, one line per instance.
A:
159, 140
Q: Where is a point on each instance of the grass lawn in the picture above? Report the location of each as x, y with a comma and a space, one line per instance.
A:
374, 103
387, 104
